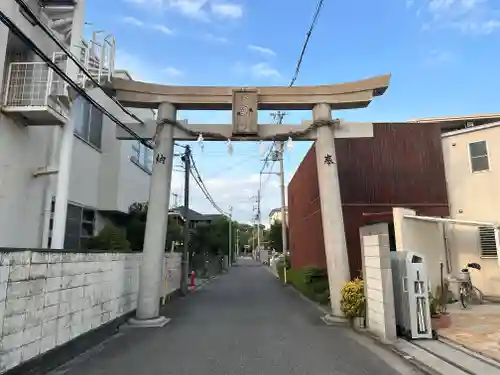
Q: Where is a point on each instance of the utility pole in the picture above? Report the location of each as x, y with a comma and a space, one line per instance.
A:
257, 254
278, 117
176, 197
283, 207
230, 247
237, 242
283, 199
185, 253
253, 237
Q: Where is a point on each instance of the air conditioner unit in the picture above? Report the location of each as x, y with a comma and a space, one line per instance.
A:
469, 124
411, 295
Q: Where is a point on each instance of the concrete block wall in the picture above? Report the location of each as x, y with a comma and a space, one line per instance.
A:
380, 313
172, 273
49, 298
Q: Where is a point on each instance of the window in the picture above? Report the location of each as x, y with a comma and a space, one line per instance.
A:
88, 123
478, 152
142, 156
80, 224
487, 242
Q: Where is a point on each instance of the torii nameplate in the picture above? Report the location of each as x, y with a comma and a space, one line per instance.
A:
245, 111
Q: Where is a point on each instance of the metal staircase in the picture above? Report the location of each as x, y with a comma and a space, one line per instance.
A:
60, 14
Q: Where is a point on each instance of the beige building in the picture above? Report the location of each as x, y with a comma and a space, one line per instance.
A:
470, 156
275, 215
471, 153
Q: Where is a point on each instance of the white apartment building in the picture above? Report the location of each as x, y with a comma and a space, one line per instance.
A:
106, 175
275, 215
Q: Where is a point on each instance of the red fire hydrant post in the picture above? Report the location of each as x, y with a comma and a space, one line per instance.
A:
192, 283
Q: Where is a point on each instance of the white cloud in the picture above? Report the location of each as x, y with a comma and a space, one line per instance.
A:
163, 29
230, 190
263, 50
134, 65
191, 8
201, 10
438, 57
261, 70
172, 72
264, 70
214, 38
478, 17
142, 70
227, 10
133, 21
139, 23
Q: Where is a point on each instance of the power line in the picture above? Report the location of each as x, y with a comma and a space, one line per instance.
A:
72, 57
24, 38
306, 42
317, 12
199, 181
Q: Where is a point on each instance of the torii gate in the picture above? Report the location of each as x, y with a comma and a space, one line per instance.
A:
245, 103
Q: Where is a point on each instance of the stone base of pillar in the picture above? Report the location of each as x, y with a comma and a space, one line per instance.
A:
158, 322
334, 320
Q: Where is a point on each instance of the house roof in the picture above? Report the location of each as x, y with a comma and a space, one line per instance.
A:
276, 210
194, 215
458, 122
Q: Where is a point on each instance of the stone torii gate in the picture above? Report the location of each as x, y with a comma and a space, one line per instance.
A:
245, 103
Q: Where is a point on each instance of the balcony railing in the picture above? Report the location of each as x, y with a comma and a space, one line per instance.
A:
34, 87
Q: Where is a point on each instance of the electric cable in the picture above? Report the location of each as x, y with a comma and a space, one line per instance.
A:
50, 33
24, 38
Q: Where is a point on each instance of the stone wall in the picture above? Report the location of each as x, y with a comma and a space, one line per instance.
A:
50, 298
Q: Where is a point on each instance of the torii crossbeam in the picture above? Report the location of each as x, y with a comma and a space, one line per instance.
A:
245, 103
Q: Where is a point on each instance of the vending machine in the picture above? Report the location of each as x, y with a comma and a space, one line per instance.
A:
411, 295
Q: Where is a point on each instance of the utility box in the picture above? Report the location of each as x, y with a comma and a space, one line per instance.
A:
411, 295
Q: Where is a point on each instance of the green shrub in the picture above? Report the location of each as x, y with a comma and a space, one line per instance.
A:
312, 274
311, 282
110, 238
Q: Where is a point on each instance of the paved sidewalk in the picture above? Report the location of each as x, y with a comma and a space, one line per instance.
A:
243, 323
477, 328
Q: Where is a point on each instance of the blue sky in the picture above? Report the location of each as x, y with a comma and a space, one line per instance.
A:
443, 56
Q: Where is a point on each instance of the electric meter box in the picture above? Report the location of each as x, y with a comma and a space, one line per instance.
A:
411, 295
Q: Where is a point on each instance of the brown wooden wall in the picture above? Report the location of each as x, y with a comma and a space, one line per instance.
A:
402, 165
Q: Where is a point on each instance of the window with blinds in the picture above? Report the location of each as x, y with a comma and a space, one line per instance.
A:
487, 242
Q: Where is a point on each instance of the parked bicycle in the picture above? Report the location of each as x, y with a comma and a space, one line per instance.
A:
467, 291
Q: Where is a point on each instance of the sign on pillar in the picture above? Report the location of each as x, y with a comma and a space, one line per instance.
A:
331, 209
245, 112
151, 274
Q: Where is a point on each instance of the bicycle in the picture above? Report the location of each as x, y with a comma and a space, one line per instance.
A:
467, 291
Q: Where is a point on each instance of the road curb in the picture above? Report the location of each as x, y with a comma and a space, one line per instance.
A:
474, 353
420, 366
203, 284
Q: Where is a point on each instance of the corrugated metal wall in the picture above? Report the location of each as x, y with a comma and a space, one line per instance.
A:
401, 166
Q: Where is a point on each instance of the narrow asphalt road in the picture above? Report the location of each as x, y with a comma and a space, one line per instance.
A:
243, 323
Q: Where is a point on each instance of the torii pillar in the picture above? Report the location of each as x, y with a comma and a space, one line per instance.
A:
245, 103
151, 272
337, 261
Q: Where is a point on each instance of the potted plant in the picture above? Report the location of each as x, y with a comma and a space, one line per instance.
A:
440, 318
442, 297
352, 302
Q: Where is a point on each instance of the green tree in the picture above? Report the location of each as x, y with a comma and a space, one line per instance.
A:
110, 238
136, 227
274, 237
